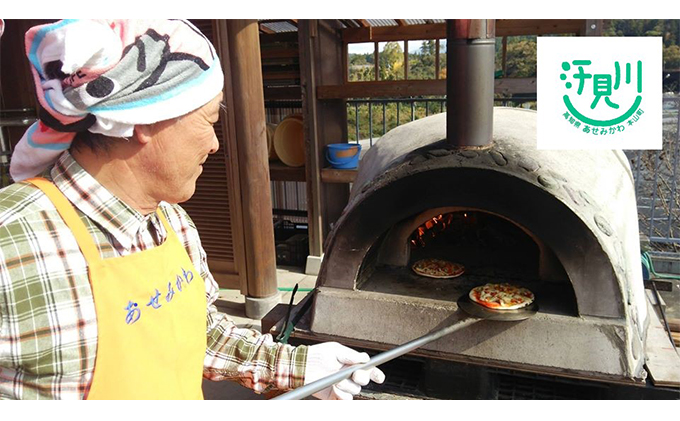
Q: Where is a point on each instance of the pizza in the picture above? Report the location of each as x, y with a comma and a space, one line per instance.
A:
501, 296
437, 268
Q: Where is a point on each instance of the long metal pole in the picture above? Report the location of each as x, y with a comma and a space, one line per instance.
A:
382, 358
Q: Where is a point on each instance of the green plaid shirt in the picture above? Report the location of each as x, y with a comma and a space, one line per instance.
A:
48, 324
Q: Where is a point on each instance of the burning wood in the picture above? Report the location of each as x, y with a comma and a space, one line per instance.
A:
430, 229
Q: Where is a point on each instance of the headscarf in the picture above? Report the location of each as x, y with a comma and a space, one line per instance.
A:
106, 76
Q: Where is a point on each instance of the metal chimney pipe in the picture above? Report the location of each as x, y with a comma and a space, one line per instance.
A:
470, 71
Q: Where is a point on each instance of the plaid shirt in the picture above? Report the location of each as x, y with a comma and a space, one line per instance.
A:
48, 324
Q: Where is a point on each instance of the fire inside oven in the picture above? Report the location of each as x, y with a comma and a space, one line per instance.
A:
491, 248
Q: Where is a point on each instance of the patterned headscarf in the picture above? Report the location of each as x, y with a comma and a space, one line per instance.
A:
106, 76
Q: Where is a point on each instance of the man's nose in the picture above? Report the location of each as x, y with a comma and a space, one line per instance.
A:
215, 146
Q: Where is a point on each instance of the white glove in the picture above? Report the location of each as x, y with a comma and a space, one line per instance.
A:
330, 357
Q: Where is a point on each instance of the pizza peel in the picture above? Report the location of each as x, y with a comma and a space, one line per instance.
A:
473, 313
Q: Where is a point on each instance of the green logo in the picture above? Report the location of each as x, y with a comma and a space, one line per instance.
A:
603, 86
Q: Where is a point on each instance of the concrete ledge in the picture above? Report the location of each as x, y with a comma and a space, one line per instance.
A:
553, 341
666, 264
313, 265
257, 308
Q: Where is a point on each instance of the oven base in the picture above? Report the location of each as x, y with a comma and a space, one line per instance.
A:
548, 343
423, 378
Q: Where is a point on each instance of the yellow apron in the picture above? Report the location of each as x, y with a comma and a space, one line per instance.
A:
151, 316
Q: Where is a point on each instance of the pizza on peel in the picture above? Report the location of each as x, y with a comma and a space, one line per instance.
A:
438, 268
501, 296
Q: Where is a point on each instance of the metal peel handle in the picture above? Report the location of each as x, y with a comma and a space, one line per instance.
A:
310, 389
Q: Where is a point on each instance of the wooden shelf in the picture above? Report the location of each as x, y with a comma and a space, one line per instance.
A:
406, 88
332, 175
278, 171
274, 93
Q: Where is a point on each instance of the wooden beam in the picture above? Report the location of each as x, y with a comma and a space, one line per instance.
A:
289, 75
290, 37
593, 27
331, 175
273, 93
401, 22
514, 27
394, 33
407, 88
349, 23
266, 30
504, 27
246, 85
281, 172
510, 86
271, 53
293, 22
363, 23
399, 88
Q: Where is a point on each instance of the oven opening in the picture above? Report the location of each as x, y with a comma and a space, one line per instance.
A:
491, 248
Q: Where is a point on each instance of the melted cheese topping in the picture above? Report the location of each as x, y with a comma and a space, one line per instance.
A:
437, 267
502, 296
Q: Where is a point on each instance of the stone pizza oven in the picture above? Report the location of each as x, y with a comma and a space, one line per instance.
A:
469, 186
562, 223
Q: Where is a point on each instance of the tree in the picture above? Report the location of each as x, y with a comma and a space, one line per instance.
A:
422, 63
391, 62
361, 67
521, 57
671, 57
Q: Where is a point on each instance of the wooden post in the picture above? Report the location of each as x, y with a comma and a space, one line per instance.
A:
313, 165
405, 59
18, 89
376, 59
504, 59
436, 60
325, 121
251, 140
593, 28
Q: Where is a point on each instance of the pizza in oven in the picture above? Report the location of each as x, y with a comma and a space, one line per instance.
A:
437, 268
501, 296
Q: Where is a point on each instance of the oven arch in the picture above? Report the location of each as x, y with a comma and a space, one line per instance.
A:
526, 203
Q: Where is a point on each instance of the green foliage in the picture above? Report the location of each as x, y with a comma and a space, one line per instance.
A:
391, 62
361, 67
671, 57
520, 61
521, 57
668, 29
421, 108
422, 63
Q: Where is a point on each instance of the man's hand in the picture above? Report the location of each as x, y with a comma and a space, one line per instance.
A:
330, 357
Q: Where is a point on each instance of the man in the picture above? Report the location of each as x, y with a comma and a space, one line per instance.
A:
104, 284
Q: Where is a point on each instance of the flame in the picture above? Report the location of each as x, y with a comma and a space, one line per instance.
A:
430, 228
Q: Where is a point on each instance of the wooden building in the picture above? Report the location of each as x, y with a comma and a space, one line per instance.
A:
273, 65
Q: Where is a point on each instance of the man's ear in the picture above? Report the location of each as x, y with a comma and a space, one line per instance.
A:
144, 133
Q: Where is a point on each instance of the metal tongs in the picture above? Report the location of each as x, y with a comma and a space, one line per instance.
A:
473, 312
